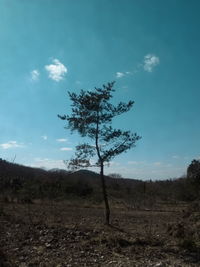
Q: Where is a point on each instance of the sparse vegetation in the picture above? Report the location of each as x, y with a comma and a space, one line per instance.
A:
54, 218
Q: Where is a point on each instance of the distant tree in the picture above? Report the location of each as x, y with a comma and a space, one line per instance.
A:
193, 182
115, 175
91, 117
193, 170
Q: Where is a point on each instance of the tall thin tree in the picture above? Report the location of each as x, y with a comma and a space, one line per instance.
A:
91, 117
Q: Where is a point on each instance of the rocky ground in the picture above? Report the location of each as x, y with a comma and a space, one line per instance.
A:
64, 234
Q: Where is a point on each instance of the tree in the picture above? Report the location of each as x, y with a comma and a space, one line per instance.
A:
193, 170
92, 114
193, 181
115, 175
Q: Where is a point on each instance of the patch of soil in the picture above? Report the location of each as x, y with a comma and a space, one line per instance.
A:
60, 235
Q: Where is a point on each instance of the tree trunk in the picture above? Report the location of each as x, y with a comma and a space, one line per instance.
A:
105, 196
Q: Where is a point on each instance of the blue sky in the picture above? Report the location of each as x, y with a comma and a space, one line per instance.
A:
151, 50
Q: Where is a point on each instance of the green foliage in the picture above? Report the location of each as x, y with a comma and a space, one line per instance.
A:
92, 115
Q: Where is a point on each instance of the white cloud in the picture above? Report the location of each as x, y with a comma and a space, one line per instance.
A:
44, 137
150, 61
48, 163
66, 148
122, 74
35, 75
61, 140
119, 74
56, 70
11, 144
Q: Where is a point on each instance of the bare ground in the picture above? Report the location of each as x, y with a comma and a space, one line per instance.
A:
69, 234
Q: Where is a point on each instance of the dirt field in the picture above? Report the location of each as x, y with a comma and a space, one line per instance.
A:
66, 234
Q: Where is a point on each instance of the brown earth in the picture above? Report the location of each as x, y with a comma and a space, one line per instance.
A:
69, 234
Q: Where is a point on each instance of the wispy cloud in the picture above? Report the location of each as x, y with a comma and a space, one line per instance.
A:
44, 137
175, 157
150, 61
48, 163
61, 140
35, 75
56, 71
66, 148
11, 144
120, 74
157, 163
78, 82
132, 162
114, 163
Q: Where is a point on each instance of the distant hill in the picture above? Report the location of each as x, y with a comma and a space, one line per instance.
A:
13, 170
22, 182
18, 180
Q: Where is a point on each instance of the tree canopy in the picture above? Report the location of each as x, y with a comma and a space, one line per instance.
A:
92, 114
193, 170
